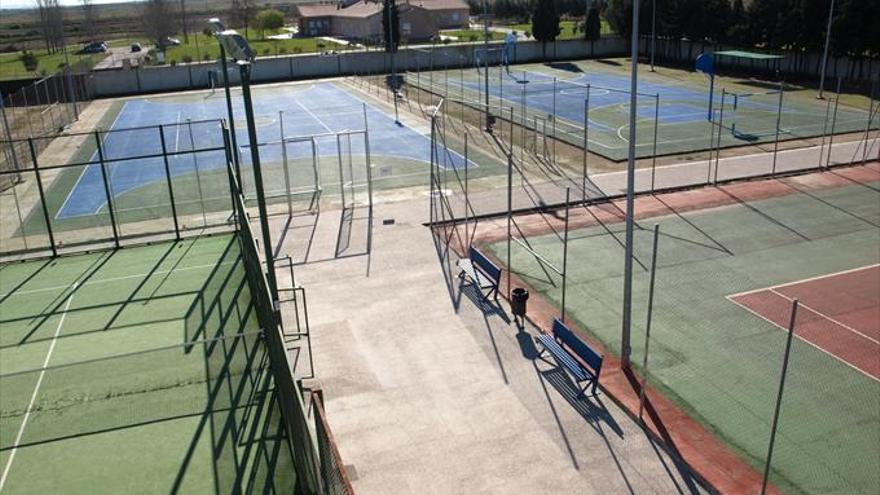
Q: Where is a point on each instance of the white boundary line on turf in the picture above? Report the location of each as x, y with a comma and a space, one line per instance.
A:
81, 174
36, 391
116, 279
803, 281
812, 344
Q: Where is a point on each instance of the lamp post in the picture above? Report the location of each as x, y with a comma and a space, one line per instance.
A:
237, 48
218, 28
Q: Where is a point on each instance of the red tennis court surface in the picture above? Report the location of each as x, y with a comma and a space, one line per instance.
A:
839, 314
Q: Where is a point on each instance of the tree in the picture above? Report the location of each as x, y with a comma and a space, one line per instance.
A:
268, 19
619, 16
390, 37
545, 23
51, 19
156, 25
242, 11
90, 18
183, 24
592, 26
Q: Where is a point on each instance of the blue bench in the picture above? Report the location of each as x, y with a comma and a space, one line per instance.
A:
586, 368
484, 274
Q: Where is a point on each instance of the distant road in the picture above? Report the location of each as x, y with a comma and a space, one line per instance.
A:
116, 56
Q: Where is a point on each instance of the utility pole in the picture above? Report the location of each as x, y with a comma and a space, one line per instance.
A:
821, 95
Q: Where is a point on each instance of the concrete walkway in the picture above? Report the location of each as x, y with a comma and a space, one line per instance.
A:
429, 392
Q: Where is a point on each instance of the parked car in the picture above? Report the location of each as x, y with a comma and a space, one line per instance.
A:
94, 47
135, 47
169, 42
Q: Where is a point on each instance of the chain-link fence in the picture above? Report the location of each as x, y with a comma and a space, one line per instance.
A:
116, 187
43, 108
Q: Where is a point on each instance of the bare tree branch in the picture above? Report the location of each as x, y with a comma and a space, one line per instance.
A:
90, 18
157, 24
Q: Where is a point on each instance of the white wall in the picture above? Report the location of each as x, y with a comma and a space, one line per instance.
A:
119, 82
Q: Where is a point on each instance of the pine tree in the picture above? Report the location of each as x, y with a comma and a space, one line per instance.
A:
545, 23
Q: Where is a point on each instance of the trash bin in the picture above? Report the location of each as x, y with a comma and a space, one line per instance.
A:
518, 299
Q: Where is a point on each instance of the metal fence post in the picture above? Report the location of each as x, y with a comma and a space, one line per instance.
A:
168, 178
649, 319
833, 122
778, 123
42, 196
509, 216
656, 129
791, 325
870, 120
192, 146
586, 171
718, 143
107, 189
565, 251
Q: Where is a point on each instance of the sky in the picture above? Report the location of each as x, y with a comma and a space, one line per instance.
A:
18, 4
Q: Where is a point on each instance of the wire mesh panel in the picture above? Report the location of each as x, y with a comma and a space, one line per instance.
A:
290, 393
336, 480
24, 226
106, 188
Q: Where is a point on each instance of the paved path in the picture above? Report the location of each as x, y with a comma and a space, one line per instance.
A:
116, 57
427, 393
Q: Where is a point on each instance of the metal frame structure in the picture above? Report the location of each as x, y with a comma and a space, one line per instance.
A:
108, 216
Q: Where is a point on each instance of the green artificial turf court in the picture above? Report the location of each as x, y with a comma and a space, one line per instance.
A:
137, 370
718, 361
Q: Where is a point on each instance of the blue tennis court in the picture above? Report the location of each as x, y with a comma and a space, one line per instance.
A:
322, 109
680, 121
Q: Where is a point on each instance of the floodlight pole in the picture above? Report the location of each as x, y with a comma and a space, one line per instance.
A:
245, 68
821, 95
625, 347
235, 159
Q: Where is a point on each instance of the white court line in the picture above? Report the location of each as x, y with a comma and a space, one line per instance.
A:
36, 391
313, 116
116, 279
85, 169
802, 281
815, 346
823, 315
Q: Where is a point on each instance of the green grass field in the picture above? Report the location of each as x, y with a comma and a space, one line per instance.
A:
568, 29
718, 361
11, 66
201, 47
137, 370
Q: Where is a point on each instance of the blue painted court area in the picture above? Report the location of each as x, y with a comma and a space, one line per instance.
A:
677, 104
308, 110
